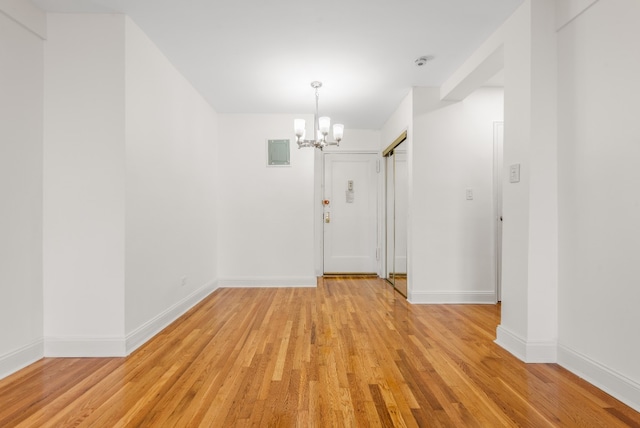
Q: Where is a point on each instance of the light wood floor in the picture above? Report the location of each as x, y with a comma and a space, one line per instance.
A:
350, 353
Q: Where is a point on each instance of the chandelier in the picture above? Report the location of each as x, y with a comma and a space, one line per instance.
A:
321, 127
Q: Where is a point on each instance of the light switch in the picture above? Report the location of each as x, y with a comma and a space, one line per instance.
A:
469, 194
514, 173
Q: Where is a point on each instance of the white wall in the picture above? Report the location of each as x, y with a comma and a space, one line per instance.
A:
530, 232
84, 185
530, 238
130, 188
543, 187
570, 233
266, 214
599, 152
171, 172
27, 15
517, 130
566, 10
21, 99
400, 120
450, 149
452, 251
366, 140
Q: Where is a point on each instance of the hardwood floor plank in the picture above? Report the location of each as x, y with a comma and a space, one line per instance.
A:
381, 408
351, 352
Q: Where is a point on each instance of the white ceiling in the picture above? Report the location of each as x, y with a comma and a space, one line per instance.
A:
259, 56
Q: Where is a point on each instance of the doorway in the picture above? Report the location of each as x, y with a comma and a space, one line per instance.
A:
350, 202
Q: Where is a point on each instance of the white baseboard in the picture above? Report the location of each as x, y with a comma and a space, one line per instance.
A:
511, 342
529, 352
610, 381
267, 282
21, 358
80, 347
452, 297
142, 334
84, 347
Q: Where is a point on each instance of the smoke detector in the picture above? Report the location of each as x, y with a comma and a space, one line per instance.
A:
423, 60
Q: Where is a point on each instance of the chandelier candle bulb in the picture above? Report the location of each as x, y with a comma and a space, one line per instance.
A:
324, 123
299, 127
338, 131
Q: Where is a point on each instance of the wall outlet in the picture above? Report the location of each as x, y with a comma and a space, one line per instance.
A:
183, 281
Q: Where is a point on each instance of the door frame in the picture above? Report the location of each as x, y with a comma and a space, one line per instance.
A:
498, 172
319, 208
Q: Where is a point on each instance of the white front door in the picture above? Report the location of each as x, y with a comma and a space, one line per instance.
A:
350, 213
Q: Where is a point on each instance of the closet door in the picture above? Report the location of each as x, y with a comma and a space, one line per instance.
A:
396, 201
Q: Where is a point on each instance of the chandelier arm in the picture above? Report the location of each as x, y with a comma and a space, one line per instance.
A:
313, 143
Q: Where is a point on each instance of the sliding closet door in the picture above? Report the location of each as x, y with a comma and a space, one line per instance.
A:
396, 201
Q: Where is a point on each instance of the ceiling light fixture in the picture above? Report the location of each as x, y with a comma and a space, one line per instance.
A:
321, 127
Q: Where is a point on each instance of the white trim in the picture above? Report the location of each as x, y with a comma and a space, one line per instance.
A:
498, 156
610, 381
268, 282
542, 352
79, 347
334, 150
452, 297
146, 331
529, 352
318, 212
84, 347
21, 358
511, 342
